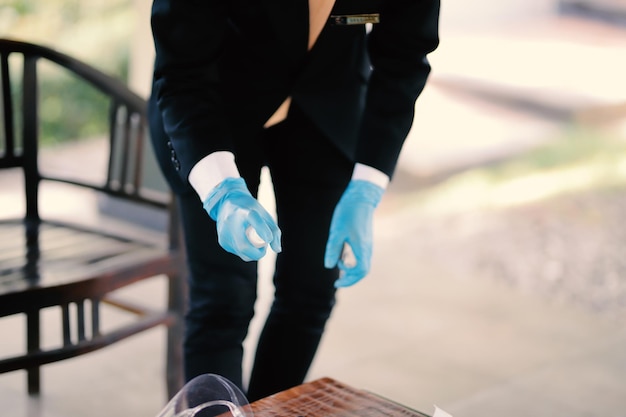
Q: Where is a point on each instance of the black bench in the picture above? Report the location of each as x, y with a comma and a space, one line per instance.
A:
67, 263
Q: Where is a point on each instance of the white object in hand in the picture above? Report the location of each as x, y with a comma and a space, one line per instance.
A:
254, 238
347, 256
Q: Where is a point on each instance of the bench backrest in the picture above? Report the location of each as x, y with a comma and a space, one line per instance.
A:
127, 151
48, 263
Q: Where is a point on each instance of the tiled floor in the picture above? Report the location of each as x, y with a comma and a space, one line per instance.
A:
412, 331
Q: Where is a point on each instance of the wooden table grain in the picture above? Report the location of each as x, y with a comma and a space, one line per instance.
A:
326, 397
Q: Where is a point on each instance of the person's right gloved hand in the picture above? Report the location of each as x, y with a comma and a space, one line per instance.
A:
238, 216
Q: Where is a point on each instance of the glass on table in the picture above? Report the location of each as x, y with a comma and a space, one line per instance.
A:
208, 395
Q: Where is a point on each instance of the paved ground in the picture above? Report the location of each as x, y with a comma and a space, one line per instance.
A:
512, 312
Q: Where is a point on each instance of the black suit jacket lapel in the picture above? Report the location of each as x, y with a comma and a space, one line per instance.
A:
290, 21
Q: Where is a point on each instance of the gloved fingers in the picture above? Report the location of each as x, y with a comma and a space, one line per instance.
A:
334, 246
354, 264
248, 252
347, 256
233, 238
275, 243
350, 276
274, 238
266, 229
243, 249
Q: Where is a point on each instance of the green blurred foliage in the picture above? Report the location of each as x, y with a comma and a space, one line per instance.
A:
21, 7
71, 109
97, 32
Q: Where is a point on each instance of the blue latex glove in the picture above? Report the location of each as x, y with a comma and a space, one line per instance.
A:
239, 217
352, 225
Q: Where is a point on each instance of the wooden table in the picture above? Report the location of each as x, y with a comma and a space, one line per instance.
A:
326, 397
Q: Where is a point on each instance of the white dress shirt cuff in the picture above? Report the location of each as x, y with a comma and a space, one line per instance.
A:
364, 172
211, 170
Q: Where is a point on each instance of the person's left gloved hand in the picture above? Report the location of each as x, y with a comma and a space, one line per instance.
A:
351, 224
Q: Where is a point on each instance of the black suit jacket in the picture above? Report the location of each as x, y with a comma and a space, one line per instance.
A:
224, 66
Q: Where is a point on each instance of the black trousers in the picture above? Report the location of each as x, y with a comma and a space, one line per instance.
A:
308, 176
